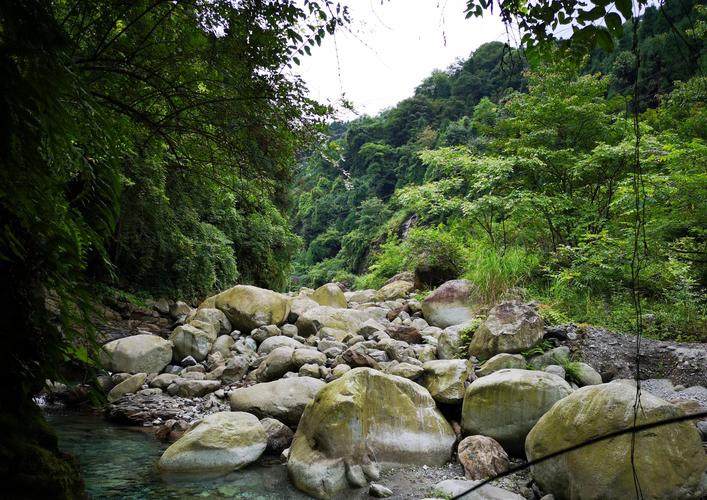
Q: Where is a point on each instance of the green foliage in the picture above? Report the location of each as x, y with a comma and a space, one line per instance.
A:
552, 316
542, 347
465, 336
572, 368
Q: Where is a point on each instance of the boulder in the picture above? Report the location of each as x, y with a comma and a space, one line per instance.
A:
586, 375
128, 386
510, 327
272, 343
137, 354
408, 334
452, 303
670, 461
282, 399
191, 341
223, 345
360, 296
482, 457
188, 388
303, 357
552, 357
394, 290
506, 404
501, 361
215, 317
336, 322
445, 379
406, 370
279, 435
222, 442
346, 430
451, 488
330, 295
275, 365
248, 307
449, 342
163, 380
299, 305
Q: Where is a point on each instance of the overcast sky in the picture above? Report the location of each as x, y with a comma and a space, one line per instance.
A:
391, 48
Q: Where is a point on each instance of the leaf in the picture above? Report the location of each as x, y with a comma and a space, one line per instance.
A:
604, 39
625, 8
613, 22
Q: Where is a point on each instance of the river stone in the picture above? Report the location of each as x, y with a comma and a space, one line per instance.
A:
552, 357
223, 345
330, 295
510, 327
189, 388
452, 303
279, 435
450, 488
303, 357
670, 461
449, 342
276, 364
360, 296
127, 386
394, 290
586, 375
506, 404
299, 305
337, 322
222, 442
501, 361
482, 457
282, 399
215, 317
137, 354
191, 341
248, 307
163, 380
271, 343
445, 378
361, 418
406, 370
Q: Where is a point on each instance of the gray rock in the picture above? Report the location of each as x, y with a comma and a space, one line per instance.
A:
191, 341
308, 356
219, 444
501, 361
223, 345
309, 370
279, 435
555, 370
445, 379
454, 302
130, 385
453, 487
586, 375
289, 330
379, 491
137, 354
271, 343
283, 399
265, 332
193, 388
510, 327
216, 318
276, 364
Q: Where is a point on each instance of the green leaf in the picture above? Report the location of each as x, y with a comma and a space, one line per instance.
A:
625, 8
613, 22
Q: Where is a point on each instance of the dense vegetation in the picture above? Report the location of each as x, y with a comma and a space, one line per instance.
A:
522, 177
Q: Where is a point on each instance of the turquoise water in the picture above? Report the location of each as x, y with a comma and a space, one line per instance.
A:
119, 462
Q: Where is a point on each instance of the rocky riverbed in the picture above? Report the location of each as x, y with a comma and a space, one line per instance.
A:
377, 393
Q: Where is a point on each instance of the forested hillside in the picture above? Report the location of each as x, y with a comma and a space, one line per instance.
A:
520, 177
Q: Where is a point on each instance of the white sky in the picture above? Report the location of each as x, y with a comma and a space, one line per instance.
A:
391, 47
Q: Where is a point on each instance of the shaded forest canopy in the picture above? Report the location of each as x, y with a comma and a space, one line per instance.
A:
521, 177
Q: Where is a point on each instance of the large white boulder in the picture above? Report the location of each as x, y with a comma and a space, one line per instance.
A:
451, 303
137, 354
248, 307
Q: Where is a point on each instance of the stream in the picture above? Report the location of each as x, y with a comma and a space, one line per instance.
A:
119, 462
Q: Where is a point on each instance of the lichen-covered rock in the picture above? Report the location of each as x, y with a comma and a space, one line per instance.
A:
337, 322
445, 379
282, 399
449, 341
506, 404
137, 354
394, 290
482, 457
360, 296
222, 442
248, 307
454, 302
670, 461
223, 345
299, 305
406, 370
191, 341
215, 317
501, 361
363, 417
510, 327
130, 385
330, 295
